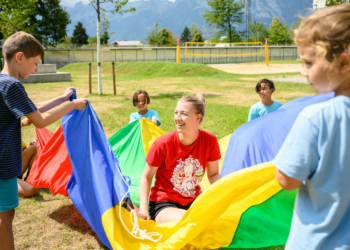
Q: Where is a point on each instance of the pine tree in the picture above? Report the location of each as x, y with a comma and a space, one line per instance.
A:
185, 35
104, 37
79, 34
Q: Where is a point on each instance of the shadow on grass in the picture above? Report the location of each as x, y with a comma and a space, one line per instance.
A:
69, 216
178, 95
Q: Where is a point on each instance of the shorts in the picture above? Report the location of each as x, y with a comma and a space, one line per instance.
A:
8, 195
155, 207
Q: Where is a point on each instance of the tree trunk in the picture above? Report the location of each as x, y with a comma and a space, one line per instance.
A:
230, 32
98, 49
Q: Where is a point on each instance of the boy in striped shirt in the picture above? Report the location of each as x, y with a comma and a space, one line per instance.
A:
22, 54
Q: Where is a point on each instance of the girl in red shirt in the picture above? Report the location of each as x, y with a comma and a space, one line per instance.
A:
179, 160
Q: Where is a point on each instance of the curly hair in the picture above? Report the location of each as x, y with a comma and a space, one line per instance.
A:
329, 30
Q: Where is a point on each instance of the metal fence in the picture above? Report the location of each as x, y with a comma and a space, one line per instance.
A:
62, 57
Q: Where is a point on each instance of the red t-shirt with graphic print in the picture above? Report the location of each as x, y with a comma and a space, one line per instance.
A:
180, 168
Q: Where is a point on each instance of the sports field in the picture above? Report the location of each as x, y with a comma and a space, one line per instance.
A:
48, 222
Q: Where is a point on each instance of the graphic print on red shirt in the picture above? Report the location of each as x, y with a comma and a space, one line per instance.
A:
180, 168
186, 176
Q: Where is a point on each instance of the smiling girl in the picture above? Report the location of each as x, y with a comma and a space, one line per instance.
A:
141, 100
179, 160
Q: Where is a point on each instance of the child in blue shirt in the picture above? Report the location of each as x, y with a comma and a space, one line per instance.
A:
264, 88
22, 54
141, 100
315, 156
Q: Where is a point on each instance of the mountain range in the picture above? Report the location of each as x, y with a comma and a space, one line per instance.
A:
175, 15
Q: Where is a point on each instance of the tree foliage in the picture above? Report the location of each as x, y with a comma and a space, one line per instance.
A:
50, 21
194, 29
185, 35
79, 34
159, 37
256, 28
198, 38
234, 38
105, 37
14, 16
333, 2
215, 38
92, 40
279, 33
225, 15
152, 35
165, 37
105, 27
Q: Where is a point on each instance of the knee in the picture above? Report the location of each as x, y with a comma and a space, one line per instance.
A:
32, 148
31, 191
27, 192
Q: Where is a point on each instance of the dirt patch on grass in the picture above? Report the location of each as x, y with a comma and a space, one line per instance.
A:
245, 68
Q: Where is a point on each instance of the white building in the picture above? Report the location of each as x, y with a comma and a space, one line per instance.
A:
318, 4
125, 44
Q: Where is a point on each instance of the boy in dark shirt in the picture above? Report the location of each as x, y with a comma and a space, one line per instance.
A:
22, 54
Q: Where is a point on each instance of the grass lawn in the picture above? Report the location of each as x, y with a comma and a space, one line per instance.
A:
52, 222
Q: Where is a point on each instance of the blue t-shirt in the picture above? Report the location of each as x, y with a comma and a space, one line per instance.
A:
317, 152
151, 114
259, 109
14, 103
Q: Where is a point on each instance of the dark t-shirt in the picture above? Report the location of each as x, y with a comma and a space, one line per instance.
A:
180, 168
14, 103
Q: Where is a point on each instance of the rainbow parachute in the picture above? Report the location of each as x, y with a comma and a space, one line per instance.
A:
245, 209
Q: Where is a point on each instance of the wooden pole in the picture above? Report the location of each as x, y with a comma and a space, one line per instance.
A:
113, 72
89, 78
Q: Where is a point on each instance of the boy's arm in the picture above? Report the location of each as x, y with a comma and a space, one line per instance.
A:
45, 106
42, 120
287, 182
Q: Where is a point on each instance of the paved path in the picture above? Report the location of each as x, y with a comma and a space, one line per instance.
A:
291, 79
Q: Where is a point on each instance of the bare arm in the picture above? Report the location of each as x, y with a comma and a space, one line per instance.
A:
287, 182
42, 120
155, 121
145, 187
213, 171
47, 105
